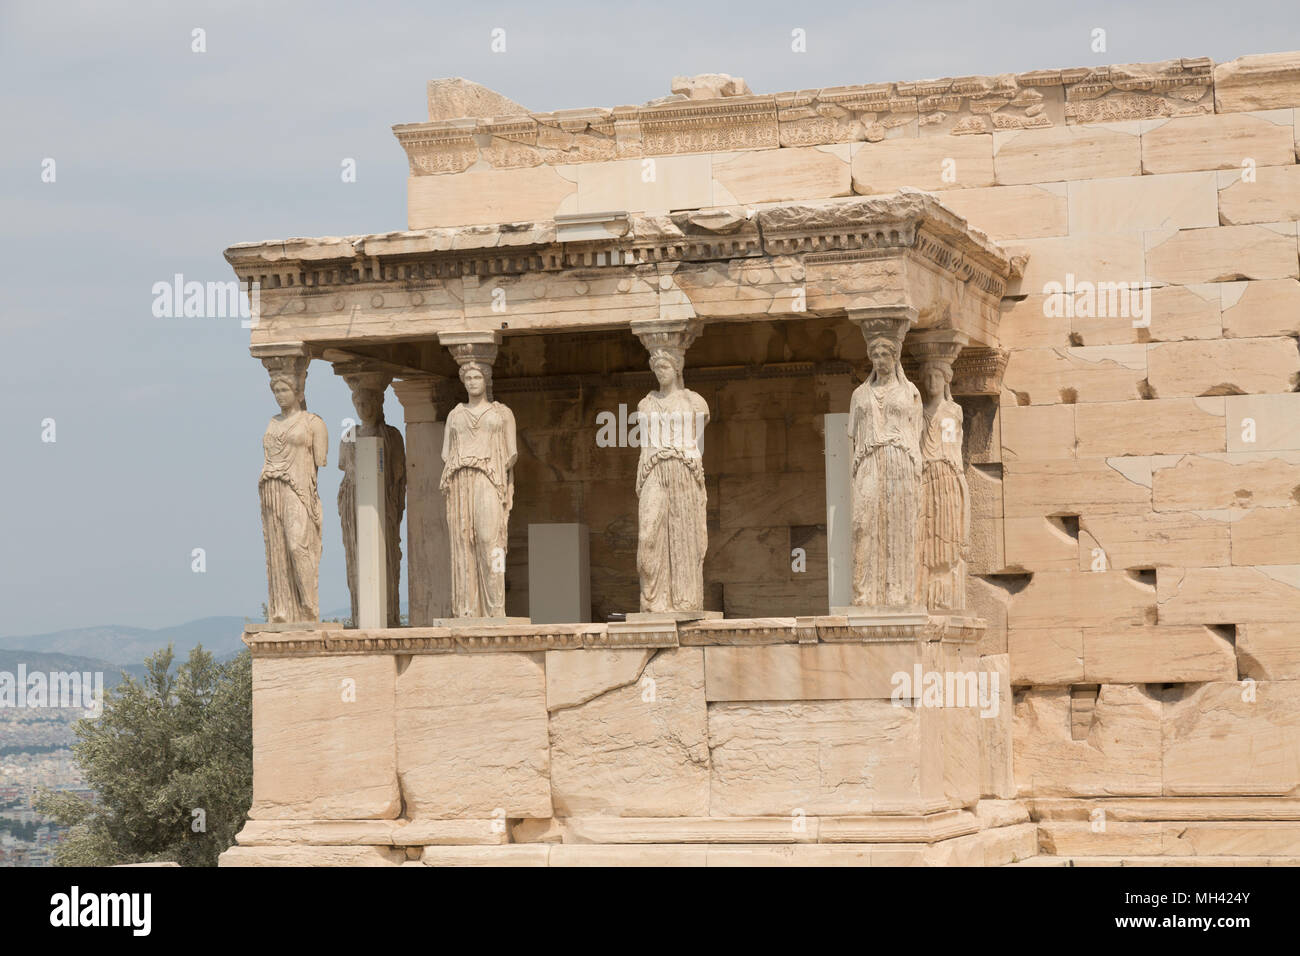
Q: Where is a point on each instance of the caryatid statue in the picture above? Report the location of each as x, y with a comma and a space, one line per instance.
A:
885, 422
945, 498
478, 479
672, 528
368, 389
295, 445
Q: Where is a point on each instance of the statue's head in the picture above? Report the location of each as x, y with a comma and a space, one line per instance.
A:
369, 403
477, 378
936, 379
667, 364
883, 352
287, 390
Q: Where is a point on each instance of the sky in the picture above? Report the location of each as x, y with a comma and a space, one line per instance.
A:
164, 156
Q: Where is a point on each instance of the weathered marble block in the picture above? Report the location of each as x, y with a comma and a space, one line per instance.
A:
1237, 737
323, 731
628, 732
843, 756
1117, 751
472, 736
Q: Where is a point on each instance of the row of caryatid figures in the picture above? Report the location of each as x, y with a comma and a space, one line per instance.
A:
910, 503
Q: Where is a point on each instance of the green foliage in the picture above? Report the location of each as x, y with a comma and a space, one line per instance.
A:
166, 746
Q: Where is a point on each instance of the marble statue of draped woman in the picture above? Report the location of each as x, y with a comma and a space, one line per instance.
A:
945, 498
479, 453
672, 507
296, 444
885, 422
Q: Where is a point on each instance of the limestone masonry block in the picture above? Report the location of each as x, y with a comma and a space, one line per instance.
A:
1129, 203
679, 182
1037, 432
778, 175
1272, 196
996, 759
1097, 151
1264, 308
1263, 422
488, 196
639, 748
472, 736
1177, 539
1137, 655
962, 162
1227, 595
1163, 426
1232, 738
1118, 753
1267, 536
821, 757
312, 856
1040, 543
1032, 322
1072, 486
989, 601
1218, 141
576, 677
805, 672
323, 731
1221, 254
1260, 81
1083, 598
1223, 367
1102, 373
1232, 480
1013, 212
453, 98
1268, 651
1046, 656
1173, 313
1093, 258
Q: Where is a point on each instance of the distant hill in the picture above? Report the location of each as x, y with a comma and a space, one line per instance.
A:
45, 663
116, 646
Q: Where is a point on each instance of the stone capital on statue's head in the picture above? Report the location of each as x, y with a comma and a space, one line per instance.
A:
292, 371
884, 322
675, 335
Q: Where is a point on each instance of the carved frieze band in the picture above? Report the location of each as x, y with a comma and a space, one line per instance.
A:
823, 235
554, 637
955, 106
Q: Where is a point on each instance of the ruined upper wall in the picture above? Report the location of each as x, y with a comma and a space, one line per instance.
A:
707, 116
821, 143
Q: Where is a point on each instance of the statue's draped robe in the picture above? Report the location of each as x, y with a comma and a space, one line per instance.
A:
394, 504
672, 509
478, 482
885, 426
291, 516
945, 510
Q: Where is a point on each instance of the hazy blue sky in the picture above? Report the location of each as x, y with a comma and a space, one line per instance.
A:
165, 157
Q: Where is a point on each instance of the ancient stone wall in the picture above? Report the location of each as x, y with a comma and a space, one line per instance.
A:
1137, 503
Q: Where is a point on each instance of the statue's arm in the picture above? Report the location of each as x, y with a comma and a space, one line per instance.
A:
643, 443
855, 410
320, 441
701, 409
512, 449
